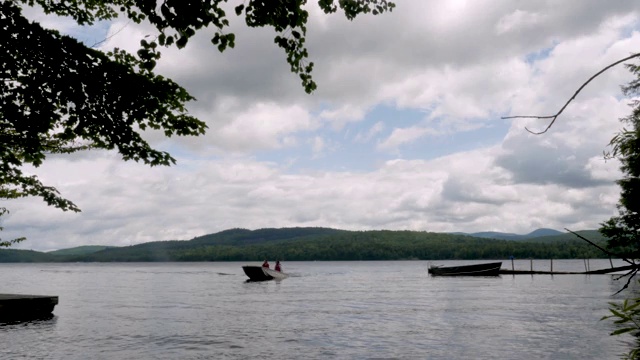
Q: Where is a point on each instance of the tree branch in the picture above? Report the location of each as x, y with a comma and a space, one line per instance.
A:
630, 274
110, 36
600, 248
555, 117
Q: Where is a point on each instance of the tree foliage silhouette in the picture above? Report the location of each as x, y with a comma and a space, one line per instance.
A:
58, 95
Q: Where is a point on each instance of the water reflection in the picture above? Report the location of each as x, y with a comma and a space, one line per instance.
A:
40, 321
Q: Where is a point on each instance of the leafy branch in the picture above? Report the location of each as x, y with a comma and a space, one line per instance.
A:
7, 243
58, 95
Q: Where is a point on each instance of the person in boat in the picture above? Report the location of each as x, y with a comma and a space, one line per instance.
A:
278, 267
265, 264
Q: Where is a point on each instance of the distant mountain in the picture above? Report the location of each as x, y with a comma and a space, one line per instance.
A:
509, 236
493, 235
591, 235
249, 237
80, 250
314, 243
543, 232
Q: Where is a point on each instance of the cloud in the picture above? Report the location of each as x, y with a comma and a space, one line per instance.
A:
263, 126
518, 20
404, 135
374, 130
338, 117
390, 86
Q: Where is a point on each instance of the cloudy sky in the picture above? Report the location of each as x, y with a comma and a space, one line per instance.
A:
404, 131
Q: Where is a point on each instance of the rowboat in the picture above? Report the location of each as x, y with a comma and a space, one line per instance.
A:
26, 307
489, 269
259, 273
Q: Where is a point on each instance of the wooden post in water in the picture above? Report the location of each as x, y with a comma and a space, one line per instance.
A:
610, 262
531, 262
512, 268
588, 265
551, 264
585, 265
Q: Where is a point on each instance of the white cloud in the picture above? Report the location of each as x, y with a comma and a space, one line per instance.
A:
401, 136
318, 146
602, 169
340, 116
376, 129
460, 64
518, 20
263, 126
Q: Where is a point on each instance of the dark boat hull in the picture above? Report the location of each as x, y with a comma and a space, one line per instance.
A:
258, 273
490, 269
26, 307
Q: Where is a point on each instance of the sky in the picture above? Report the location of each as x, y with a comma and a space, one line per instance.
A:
405, 130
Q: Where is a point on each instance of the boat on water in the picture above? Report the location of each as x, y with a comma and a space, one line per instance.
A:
26, 307
489, 269
259, 273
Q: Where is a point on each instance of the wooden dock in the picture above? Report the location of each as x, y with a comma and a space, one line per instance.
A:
25, 307
543, 272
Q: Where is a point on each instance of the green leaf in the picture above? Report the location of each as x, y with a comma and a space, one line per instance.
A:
182, 42
624, 330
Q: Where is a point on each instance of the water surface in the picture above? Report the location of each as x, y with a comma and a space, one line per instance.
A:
342, 310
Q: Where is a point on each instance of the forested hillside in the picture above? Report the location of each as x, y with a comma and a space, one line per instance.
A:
80, 250
508, 236
303, 244
10, 256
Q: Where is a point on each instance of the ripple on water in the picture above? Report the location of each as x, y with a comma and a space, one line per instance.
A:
346, 310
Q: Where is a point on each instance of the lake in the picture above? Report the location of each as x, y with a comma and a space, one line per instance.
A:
325, 310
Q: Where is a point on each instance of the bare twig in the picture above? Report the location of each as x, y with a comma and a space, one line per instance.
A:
112, 35
631, 274
623, 275
555, 117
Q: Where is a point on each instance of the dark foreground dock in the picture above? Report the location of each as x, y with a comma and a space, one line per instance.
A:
25, 307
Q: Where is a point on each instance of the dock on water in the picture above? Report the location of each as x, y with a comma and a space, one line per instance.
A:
551, 272
25, 307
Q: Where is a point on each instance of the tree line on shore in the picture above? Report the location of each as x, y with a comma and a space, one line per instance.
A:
323, 244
